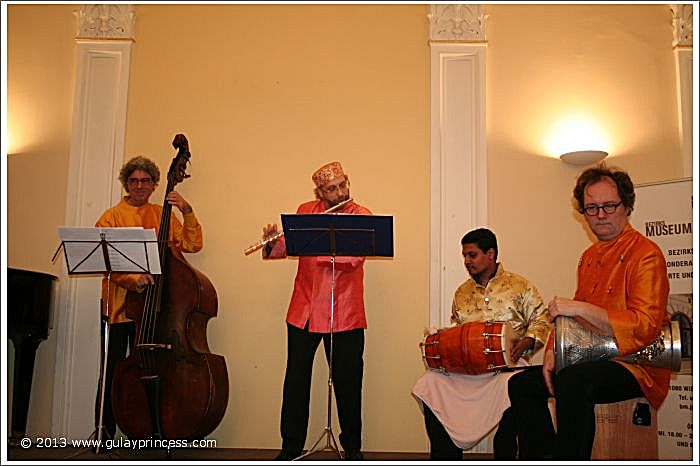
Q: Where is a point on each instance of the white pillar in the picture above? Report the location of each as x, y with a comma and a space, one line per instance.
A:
683, 52
103, 51
458, 195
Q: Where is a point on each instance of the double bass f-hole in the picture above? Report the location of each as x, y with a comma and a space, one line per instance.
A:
171, 386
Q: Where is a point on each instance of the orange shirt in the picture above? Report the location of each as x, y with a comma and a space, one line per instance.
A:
187, 238
627, 277
311, 298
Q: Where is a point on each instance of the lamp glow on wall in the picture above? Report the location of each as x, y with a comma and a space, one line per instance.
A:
6, 147
577, 140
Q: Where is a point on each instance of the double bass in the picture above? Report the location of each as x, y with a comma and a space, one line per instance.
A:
171, 386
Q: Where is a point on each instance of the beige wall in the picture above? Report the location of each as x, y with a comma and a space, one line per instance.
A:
613, 63
267, 93
40, 63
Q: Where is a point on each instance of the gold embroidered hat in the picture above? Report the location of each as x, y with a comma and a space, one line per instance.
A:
327, 173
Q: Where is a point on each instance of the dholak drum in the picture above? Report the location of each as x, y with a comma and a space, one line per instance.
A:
471, 348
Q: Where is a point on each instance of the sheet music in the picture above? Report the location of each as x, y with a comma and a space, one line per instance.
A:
128, 249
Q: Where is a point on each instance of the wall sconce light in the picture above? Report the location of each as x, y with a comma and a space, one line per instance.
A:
583, 157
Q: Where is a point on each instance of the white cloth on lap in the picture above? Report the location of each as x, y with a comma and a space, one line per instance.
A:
468, 406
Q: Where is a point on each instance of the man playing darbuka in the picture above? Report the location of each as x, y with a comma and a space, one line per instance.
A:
623, 291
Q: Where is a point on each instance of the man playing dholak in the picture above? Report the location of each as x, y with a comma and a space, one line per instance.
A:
622, 291
308, 322
461, 408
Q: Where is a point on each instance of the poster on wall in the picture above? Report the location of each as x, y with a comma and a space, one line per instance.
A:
663, 212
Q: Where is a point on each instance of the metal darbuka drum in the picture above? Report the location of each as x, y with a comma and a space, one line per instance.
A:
576, 342
471, 348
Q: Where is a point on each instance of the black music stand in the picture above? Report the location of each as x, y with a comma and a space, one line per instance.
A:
107, 250
336, 235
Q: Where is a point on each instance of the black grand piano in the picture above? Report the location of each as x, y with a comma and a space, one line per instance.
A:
29, 305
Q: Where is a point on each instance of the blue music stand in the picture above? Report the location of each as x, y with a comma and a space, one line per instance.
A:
336, 235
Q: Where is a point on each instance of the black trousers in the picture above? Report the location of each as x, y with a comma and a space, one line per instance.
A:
443, 448
578, 389
121, 337
348, 366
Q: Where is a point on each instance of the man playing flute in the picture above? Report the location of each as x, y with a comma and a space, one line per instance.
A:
308, 322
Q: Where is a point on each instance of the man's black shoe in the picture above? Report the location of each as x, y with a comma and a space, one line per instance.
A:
353, 455
286, 455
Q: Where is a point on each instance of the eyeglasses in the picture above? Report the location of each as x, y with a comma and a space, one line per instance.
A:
335, 187
608, 208
135, 181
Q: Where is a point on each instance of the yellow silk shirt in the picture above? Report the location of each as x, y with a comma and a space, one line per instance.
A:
627, 277
186, 237
506, 297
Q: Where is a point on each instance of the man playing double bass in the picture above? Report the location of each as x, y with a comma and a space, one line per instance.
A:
461, 408
139, 177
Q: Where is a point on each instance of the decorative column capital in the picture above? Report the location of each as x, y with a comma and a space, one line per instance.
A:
104, 21
457, 23
682, 25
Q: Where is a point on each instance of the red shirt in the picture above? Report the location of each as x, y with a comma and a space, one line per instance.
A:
311, 298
